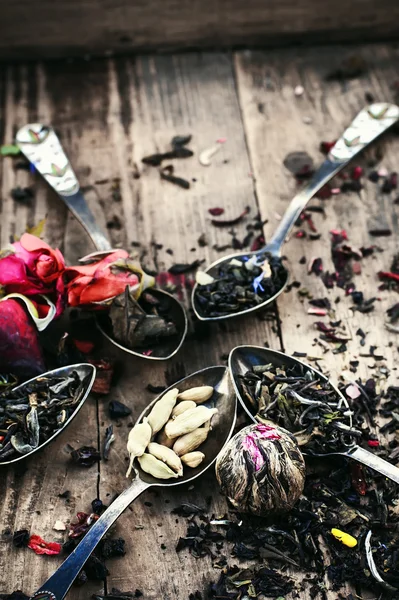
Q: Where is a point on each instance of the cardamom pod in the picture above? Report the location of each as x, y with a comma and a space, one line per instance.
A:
193, 459
182, 407
198, 394
155, 467
138, 440
167, 456
189, 420
162, 410
163, 439
191, 441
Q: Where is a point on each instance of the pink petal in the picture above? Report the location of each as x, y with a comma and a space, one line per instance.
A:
352, 391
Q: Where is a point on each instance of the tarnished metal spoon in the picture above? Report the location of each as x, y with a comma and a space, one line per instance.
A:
223, 422
87, 374
365, 128
42, 148
243, 358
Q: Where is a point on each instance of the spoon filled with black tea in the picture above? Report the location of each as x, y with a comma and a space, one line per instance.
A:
34, 413
242, 283
273, 387
203, 425
151, 326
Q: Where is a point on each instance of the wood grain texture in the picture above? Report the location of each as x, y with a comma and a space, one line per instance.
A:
29, 491
275, 124
111, 113
79, 27
274, 121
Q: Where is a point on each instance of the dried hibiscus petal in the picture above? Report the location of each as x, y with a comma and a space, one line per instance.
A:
39, 546
358, 478
258, 243
230, 222
216, 212
357, 172
85, 521
325, 147
324, 193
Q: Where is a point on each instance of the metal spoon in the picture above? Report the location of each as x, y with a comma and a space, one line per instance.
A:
43, 149
364, 129
87, 373
223, 423
243, 358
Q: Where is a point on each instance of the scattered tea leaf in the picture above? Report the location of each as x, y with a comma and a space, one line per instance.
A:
9, 150
167, 174
230, 222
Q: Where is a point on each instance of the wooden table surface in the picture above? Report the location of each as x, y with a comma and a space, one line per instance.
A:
109, 114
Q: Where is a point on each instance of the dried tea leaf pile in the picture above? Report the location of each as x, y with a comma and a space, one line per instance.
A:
302, 539
141, 324
302, 402
30, 415
239, 285
169, 437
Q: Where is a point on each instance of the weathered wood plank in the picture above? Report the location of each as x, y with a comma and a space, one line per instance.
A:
274, 120
109, 116
150, 101
29, 492
78, 28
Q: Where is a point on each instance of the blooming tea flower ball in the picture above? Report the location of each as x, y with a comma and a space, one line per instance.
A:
261, 470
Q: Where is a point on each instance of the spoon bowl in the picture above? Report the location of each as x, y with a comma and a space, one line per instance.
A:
164, 349
87, 375
224, 399
369, 124
243, 358
41, 146
213, 271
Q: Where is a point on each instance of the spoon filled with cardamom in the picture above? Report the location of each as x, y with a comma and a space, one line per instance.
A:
274, 388
146, 322
175, 440
242, 283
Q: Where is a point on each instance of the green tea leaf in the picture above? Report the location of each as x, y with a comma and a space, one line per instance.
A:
37, 229
9, 150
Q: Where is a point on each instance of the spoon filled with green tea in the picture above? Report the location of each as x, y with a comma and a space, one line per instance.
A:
242, 283
152, 325
175, 440
34, 413
274, 387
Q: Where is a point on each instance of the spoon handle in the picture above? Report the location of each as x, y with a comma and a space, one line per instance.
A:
364, 129
43, 149
57, 586
374, 462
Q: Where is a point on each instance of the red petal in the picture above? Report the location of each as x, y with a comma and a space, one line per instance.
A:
216, 212
32, 243
38, 545
388, 275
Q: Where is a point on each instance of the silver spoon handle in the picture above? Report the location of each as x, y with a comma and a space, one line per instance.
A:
370, 123
57, 586
374, 462
43, 149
